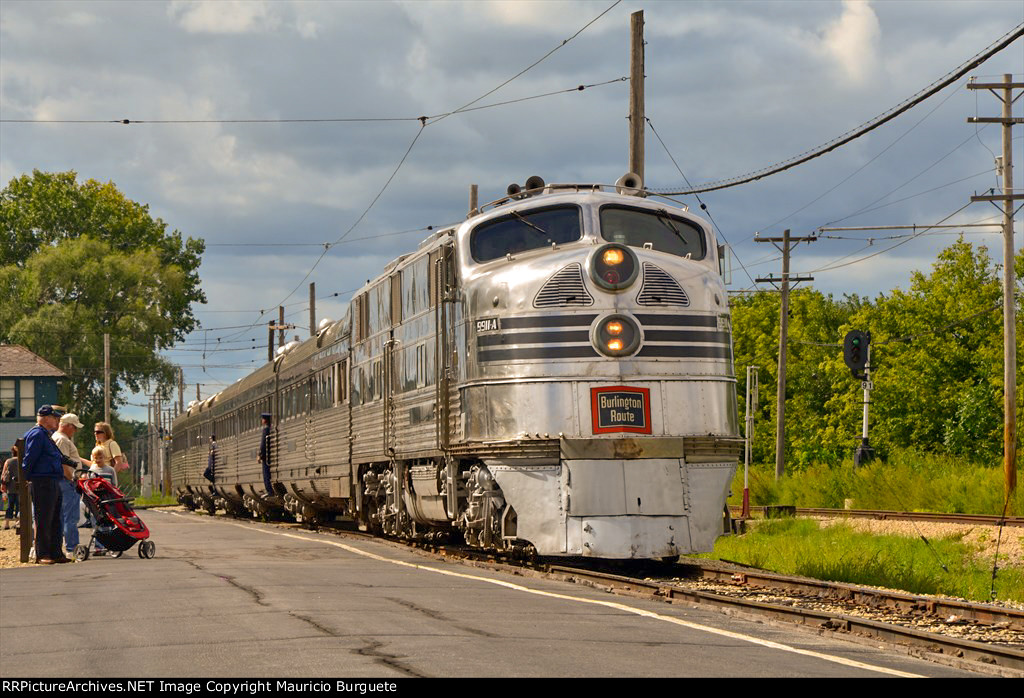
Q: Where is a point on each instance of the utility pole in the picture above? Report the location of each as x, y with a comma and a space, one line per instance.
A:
312, 309
149, 435
181, 390
106, 377
780, 411
637, 118
270, 341
474, 193
752, 400
280, 325
1005, 163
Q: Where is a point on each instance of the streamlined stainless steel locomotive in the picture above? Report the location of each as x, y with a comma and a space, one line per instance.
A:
554, 372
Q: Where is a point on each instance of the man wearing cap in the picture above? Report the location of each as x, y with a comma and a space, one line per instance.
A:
64, 438
265, 452
42, 467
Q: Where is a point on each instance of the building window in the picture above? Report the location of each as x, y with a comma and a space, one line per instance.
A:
7, 402
27, 398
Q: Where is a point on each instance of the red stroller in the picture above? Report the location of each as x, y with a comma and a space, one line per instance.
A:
117, 528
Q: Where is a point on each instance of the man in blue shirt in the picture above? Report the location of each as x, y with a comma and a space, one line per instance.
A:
44, 471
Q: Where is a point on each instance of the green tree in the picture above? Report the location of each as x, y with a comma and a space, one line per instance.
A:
938, 353
81, 260
813, 433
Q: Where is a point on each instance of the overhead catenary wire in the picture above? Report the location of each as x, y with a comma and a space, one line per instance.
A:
864, 128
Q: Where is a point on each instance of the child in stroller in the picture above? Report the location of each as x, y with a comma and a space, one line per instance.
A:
117, 527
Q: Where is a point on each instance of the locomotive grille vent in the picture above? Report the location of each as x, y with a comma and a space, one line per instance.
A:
564, 288
660, 289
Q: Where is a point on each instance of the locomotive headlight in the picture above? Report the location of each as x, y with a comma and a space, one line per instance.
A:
614, 267
613, 256
616, 335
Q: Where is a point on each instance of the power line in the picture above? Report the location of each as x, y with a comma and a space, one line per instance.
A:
466, 106
867, 126
862, 167
703, 206
832, 265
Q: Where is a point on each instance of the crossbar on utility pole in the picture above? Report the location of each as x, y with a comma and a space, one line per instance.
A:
780, 409
1005, 95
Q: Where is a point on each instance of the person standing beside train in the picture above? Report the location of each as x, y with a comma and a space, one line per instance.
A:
9, 481
69, 510
43, 468
265, 452
105, 439
211, 461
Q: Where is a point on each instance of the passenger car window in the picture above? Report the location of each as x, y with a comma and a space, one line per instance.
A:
525, 230
663, 231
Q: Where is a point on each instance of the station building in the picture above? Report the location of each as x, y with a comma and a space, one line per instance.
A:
26, 381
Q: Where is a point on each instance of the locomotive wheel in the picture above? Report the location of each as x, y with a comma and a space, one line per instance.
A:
81, 552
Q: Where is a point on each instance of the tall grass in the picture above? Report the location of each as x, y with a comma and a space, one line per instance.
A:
908, 481
839, 553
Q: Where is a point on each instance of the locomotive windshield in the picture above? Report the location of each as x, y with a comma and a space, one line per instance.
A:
525, 230
658, 228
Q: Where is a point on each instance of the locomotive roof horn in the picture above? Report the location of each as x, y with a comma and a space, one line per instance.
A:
513, 190
630, 184
534, 182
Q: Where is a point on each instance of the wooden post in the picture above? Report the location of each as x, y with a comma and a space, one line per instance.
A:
106, 377
780, 412
312, 309
280, 325
25, 532
1009, 310
637, 118
1008, 197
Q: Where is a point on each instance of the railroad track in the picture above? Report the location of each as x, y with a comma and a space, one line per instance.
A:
883, 515
1003, 652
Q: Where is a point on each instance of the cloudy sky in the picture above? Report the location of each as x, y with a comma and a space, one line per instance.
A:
732, 87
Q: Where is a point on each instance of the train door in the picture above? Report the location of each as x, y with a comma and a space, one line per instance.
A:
442, 296
388, 368
309, 440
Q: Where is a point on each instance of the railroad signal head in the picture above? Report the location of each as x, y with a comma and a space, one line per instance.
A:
855, 352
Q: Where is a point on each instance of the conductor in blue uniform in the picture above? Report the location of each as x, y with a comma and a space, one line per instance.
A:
44, 470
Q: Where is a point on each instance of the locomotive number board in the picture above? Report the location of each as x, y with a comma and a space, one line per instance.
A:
619, 408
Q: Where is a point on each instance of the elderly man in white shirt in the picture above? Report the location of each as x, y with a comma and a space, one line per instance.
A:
64, 438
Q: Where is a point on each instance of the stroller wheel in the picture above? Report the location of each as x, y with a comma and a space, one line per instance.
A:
147, 549
81, 552
115, 553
